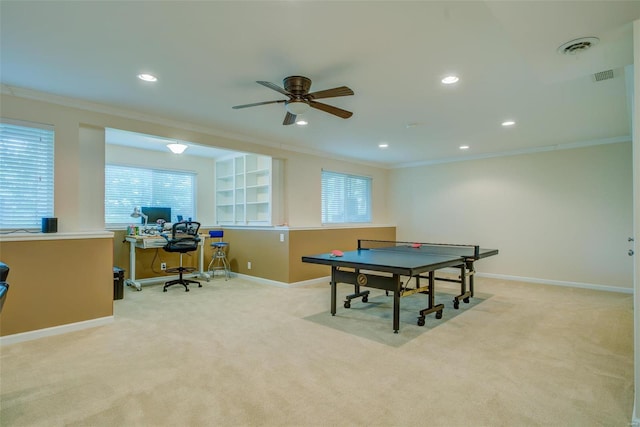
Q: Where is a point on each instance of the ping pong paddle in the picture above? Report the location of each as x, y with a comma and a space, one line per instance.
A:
336, 252
416, 245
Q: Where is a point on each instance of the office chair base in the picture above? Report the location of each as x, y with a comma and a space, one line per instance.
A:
183, 282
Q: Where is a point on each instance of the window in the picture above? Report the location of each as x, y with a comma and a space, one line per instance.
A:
128, 187
345, 198
26, 174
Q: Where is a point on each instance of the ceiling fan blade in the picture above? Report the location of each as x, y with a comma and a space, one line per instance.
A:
257, 103
331, 109
289, 119
331, 93
274, 87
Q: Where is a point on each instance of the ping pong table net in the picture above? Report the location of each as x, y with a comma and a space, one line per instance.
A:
469, 251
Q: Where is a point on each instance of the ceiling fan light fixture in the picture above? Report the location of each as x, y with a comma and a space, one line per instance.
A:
297, 107
177, 148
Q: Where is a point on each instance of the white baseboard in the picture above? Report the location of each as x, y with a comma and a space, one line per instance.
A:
593, 286
261, 280
55, 330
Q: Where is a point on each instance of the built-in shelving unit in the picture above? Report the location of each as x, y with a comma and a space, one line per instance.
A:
243, 190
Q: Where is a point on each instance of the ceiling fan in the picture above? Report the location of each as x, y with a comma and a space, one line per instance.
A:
297, 89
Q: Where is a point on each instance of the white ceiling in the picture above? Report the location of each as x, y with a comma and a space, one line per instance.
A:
208, 55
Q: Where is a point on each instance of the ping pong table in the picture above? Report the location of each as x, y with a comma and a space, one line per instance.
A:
380, 264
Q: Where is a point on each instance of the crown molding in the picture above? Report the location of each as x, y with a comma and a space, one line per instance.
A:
569, 146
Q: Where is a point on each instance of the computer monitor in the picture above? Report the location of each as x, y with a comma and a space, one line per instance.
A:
155, 214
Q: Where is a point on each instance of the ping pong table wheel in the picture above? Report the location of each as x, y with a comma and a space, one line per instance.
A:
456, 304
347, 304
421, 321
439, 314
365, 298
466, 300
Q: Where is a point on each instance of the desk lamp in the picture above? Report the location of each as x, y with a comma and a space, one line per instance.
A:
137, 213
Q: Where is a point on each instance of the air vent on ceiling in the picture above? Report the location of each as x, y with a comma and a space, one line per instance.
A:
576, 46
603, 75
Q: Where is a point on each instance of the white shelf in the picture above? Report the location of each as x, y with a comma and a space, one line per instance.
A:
244, 190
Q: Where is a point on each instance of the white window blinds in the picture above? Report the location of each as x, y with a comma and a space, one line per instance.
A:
345, 198
127, 187
26, 175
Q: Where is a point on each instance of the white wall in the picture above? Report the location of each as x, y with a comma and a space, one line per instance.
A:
80, 158
561, 216
635, 125
204, 168
303, 188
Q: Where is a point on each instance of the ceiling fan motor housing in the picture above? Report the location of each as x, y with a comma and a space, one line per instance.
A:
297, 85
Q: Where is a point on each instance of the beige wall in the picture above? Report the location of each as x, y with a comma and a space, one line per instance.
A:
562, 215
54, 282
311, 242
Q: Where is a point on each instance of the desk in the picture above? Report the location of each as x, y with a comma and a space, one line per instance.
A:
392, 260
158, 242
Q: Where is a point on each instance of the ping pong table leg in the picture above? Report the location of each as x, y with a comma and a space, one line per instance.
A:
432, 307
396, 304
472, 272
333, 291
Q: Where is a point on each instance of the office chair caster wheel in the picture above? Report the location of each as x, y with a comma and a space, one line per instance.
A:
347, 304
199, 285
186, 290
456, 304
439, 315
421, 321
466, 300
164, 290
365, 298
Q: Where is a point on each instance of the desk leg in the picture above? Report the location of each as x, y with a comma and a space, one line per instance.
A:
131, 281
333, 291
201, 273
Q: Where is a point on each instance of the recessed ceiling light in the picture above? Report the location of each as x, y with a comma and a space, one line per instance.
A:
450, 80
147, 77
383, 145
464, 147
508, 123
302, 122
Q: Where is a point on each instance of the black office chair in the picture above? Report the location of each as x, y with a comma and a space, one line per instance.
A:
4, 286
184, 238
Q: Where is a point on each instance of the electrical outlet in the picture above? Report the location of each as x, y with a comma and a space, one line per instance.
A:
163, 266
282, 237
249, 265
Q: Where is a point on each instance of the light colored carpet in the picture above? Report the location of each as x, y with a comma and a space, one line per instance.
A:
241, 353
